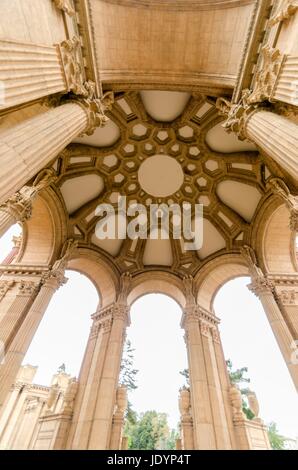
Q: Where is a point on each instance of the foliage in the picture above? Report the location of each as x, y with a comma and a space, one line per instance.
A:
277, 441
150, 432
185, 374
127, 372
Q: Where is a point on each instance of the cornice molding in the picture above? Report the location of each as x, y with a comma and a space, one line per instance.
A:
181, 5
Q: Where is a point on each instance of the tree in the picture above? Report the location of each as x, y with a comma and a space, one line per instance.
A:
127, 372
277, 441
185, 374
151, 432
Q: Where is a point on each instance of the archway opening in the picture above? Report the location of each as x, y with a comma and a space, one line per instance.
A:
62, 335
10, 243
159, 356
248, 341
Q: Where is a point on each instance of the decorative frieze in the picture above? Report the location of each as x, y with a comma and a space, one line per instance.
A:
5, 286
27, 288
69, 51
285, 10
288, 296
267, 75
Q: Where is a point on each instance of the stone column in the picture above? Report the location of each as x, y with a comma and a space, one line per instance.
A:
118, 418
204, 435
210, 410
89, 379
264, 289
28, 147
17, 349
275, 135
18, 345
33, 71
18, 208
99, 377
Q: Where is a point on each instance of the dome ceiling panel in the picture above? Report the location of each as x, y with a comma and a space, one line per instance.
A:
158, 252
242, 198
102, 137
164, 106
220, 141
213, 241
229, 185
80, 190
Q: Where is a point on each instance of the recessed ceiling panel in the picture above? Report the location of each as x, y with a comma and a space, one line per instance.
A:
219, 140
242, 198
80, 190
102, 136
213, 241
164, 106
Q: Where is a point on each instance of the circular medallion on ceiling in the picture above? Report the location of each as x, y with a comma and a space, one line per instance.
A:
160, 176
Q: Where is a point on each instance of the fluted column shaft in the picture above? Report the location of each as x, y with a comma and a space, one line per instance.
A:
277, 136
280, 330
89, 380
29, 72
28, 147
210, 336
102, 419
18, 347
13, 313
204, 436
6, 221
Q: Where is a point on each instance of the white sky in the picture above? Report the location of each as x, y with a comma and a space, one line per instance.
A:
160, 350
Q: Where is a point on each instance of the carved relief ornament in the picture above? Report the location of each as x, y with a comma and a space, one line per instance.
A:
65, 5
267, 75
285, 10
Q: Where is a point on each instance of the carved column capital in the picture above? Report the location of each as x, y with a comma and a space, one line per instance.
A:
288, 297
237, 114
5, 286
27, 288
285, 10
65, 5
261, 285
96, 109
18, 206
267, 75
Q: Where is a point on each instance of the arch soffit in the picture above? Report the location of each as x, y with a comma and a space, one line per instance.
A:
215, 274
157, 282
99, 271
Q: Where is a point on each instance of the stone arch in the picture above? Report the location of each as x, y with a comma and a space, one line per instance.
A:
44, 232
99, 271
276, 242
215, 274
157, 282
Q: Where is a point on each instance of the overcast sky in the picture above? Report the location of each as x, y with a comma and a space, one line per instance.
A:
160, 349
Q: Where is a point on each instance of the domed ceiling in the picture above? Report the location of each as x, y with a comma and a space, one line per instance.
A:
163, 147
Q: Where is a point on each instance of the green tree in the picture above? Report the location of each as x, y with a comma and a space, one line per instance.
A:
151, 432
128, 378
277, 441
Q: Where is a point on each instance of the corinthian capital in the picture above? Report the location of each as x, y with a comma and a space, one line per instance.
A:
285, 9
96, 109
267, 75
236, 114
19, 205
261, 285
65, 5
